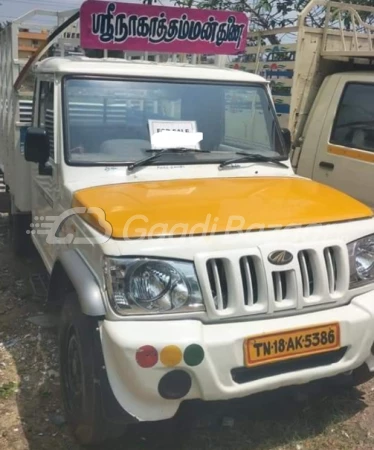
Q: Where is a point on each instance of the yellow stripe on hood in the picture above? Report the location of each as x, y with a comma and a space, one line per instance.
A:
217, 205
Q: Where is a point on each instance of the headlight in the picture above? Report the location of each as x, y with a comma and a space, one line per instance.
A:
149, 286
361, 261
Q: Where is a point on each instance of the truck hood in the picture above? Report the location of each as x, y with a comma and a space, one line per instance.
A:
209, 206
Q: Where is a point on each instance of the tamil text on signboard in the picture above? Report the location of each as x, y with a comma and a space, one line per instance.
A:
128, 26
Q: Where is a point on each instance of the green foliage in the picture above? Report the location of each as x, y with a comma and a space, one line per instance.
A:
7, 389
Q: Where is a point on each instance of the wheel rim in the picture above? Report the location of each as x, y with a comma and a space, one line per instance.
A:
73, 373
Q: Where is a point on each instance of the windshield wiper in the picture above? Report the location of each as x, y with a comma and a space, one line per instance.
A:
160, 152
251, 157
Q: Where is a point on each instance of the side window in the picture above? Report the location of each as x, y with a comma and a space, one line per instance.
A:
354, 121
46, 112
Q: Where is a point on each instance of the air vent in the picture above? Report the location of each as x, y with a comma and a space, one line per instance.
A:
331, 268
307, 275
280, 283
250, 280
218, 283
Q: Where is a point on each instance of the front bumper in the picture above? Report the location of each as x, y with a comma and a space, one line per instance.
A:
136, 388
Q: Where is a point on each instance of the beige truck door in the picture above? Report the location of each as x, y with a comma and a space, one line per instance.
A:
345, 153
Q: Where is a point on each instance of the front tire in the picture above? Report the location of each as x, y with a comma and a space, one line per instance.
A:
80, 364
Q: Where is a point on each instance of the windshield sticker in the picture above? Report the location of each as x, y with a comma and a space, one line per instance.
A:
172, 134
125, 26
182, 126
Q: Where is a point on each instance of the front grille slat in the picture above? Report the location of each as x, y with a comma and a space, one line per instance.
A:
304, 275
217, 283
331, 269
248, 282
284, 289
278, 290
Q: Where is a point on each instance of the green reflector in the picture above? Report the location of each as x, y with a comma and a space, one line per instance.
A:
193, 355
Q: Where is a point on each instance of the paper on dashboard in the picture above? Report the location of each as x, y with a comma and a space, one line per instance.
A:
175, 139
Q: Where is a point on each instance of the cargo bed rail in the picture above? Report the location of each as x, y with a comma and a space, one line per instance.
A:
354, 42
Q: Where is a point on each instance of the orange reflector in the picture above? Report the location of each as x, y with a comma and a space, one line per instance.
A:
171, 356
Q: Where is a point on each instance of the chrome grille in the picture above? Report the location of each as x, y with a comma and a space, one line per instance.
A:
245, 282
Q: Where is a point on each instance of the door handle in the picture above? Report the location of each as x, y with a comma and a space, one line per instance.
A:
326, 165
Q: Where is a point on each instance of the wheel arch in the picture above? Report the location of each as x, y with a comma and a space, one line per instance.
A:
71, 273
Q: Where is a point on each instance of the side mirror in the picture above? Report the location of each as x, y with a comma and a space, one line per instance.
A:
36, 145
37, 148
286, 133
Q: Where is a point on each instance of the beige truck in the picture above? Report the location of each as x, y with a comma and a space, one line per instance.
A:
322, 82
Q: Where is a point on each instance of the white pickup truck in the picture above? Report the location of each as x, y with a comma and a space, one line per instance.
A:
323, 88
184, 265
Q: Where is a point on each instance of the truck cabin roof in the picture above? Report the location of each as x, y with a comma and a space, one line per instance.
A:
122, 67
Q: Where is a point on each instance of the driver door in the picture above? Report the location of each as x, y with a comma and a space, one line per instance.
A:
44, 186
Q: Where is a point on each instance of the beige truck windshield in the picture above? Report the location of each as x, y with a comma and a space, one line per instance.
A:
112, 121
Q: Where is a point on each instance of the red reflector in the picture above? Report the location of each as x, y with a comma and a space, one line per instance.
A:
146, 356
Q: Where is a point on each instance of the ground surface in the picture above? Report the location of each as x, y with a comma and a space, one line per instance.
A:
31, 416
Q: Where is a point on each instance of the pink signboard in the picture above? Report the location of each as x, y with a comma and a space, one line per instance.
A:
138, 27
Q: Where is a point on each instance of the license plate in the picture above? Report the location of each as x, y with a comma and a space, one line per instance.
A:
275, 347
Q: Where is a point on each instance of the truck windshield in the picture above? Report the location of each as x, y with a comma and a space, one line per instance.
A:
111, 121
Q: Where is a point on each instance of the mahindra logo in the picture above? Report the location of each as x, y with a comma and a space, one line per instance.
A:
280, 257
